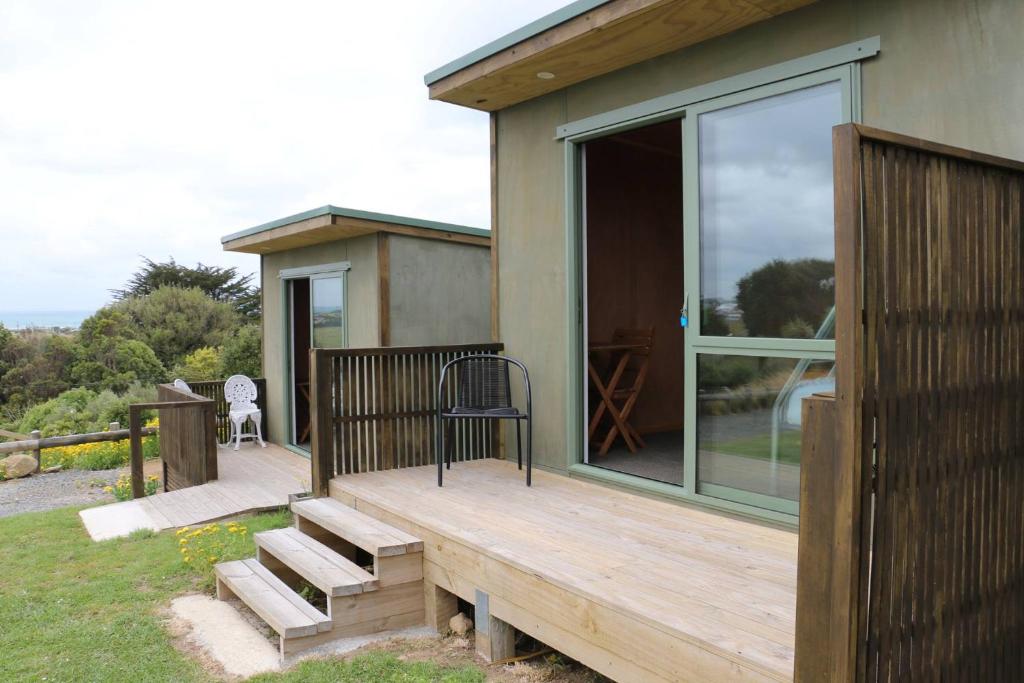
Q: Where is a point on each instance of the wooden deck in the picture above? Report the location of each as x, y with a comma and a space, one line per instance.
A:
250, 480
637, 589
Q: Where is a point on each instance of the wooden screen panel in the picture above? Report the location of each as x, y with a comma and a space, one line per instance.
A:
375, 409
188, 446
930, 342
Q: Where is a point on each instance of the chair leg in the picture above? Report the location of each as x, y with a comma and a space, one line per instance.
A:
449, 446
237, 424
519, 444
529, 451
440, 450
256, 420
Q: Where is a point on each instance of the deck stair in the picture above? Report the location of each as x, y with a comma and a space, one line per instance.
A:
331, 548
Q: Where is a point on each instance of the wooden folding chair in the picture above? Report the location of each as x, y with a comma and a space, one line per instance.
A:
631, 355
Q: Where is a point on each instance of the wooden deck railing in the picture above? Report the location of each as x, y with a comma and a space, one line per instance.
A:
214, 389
374, 409
188, 439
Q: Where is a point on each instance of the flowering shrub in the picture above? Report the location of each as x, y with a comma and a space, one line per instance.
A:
203, 547
103, 455
122, 488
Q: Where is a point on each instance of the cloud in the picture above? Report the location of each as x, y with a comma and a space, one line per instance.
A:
133, 128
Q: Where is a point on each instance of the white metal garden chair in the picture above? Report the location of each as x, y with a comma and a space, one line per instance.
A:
183, 385
240, 393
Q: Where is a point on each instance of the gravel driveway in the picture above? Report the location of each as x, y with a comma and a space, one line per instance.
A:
60, 489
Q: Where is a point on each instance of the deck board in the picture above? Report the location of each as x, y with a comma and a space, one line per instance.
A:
717, 593
250, 479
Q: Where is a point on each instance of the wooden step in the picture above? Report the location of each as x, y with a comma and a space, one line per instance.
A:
372, 535
315, 562
266, 595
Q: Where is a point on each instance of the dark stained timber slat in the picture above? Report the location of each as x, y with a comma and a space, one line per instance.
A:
941, 405
383, 407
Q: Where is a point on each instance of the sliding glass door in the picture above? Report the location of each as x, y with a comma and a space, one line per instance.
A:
760, 270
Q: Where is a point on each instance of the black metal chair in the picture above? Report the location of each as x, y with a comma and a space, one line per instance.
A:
483, 392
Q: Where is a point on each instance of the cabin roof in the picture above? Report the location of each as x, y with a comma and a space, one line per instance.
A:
587, 38
330, 223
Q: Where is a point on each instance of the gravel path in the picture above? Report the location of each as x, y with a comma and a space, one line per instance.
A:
60, 489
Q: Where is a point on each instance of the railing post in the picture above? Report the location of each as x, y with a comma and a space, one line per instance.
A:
38, 452
135, 440
322, 417
816, 602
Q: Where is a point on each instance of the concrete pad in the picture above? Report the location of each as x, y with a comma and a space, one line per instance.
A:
218, 628
117, 519
224, 635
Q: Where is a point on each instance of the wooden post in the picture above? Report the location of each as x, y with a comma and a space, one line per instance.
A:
209, 409
37, 452
815, 569
321, 410
135, 440
441, 606
495, 639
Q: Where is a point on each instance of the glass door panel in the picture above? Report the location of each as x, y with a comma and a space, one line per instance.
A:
762, 270
766, 225
328, 312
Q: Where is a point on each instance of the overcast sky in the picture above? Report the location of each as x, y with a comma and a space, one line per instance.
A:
132, 128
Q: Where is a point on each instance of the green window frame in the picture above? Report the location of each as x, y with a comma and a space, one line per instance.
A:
838, 64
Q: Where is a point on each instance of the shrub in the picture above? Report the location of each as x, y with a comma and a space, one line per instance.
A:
174, 322
79, 411
243, 353
122, 488
201, 364
104, 455
203, 547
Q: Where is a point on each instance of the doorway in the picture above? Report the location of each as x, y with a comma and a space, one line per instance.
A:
316, 319
634, 288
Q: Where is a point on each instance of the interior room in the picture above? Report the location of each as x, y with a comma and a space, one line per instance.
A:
633, 217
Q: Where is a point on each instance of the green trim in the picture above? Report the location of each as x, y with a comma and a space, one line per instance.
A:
309, 271
741, 502
330, 210
298, 450
671, 106
576, 415
549, 21
680, 494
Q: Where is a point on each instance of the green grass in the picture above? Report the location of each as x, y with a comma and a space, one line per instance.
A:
760, 446
379, 667
75, 610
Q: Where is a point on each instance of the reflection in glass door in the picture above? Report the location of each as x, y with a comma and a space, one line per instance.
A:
761, 261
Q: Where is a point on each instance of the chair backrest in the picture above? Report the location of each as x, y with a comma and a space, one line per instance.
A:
240, 391
482, 382
183, 385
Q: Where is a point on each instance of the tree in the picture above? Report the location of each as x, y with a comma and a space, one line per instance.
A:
781, 292
243, 353
174, 322
40, 368
220, 284
111, 355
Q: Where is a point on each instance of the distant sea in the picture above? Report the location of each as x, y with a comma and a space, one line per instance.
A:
17, 320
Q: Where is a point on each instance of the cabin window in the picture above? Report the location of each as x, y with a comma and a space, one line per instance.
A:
709, 231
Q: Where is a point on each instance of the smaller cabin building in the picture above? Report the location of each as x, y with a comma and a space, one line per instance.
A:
337, 278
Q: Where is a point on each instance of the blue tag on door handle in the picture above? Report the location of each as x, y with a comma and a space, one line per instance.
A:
684, 321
